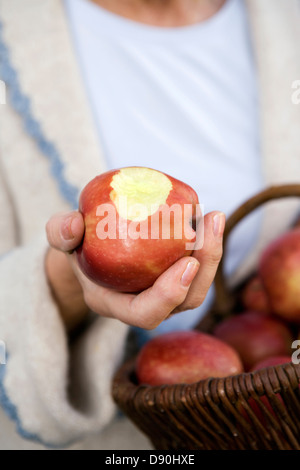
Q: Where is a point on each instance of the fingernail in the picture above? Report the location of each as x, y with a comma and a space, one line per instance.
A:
219, 224
189, 273
66, 228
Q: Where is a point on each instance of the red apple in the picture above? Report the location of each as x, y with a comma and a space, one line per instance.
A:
280, 273
255, 403
271, 361
185, 357
254, 296
138, 222
255, 336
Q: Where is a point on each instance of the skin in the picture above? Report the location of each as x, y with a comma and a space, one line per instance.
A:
182, 287
163, 13
185, 284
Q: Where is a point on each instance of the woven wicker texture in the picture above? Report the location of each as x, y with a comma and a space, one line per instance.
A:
209, 414
251, 411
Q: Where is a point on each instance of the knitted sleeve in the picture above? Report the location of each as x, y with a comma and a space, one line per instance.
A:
37, 389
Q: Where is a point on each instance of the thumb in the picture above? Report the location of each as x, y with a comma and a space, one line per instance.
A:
65, 231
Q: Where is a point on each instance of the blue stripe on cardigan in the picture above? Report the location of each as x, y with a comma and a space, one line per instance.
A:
12, 413
11, 410
21, 104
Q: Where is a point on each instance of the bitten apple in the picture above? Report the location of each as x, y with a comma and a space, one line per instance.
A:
280, 273
138, 222
185, 357
255, 336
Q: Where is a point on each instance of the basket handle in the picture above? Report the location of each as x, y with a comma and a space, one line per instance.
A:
224, 299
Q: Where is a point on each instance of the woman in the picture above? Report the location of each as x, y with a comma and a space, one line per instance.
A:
171, 85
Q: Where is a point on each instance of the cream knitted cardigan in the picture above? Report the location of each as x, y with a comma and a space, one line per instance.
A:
49, 150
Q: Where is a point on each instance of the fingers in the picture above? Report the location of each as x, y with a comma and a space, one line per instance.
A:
65, 231
182, 287
149, 308
209, 257
154, 305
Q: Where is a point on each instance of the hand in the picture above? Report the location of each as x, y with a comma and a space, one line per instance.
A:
182, 287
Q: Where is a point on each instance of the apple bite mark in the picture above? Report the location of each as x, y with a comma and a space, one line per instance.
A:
136, 226
139, 192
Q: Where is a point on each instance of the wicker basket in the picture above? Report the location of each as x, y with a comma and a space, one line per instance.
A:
218, 414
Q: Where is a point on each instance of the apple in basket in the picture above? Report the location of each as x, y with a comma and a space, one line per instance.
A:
262, 404
185, 357
254, 297
138, 222
255, 336
279, 271
271, 361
